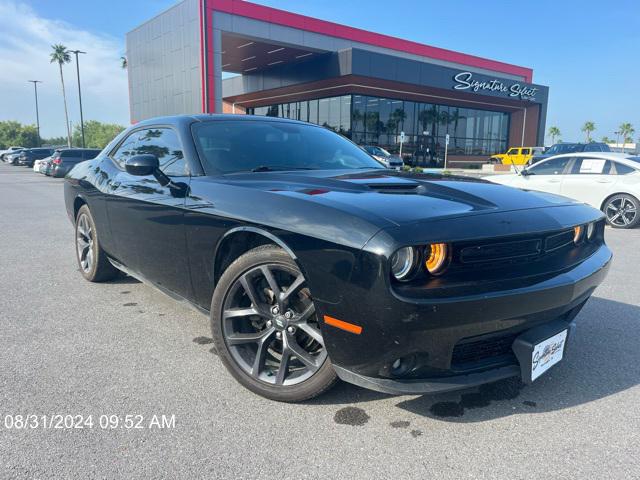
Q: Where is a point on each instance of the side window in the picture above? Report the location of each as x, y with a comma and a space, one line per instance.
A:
126, 149
526, 151
90, 154
621, 169
512, 151
554, 166
591, 166
592, 148
164, 144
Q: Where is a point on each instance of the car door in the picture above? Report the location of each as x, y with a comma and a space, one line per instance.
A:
590, 180
146, 218
512, 156
546, 176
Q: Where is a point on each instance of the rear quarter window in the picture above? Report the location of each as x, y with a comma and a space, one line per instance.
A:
90, 154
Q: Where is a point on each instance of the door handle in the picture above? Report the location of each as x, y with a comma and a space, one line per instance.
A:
603, 180
553, 180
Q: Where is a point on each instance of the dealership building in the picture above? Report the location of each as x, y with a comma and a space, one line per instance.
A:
232, 56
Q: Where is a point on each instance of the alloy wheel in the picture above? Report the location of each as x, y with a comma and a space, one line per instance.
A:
84, 242
621, 211
270, 327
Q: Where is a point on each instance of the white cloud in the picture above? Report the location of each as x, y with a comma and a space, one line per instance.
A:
25, 45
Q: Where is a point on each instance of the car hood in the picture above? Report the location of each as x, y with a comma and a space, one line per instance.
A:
396, 197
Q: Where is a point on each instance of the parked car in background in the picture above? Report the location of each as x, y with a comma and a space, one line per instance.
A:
45, 166
516, 155
314, 262
8, 150
36, 164
384, 157
562, 148
607, 181
12, 157
64, 159
30, 155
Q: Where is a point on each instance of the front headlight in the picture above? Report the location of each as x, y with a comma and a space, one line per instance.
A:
437, 257
591, 231
403, 263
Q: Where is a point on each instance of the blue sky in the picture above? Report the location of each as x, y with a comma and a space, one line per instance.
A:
585, 51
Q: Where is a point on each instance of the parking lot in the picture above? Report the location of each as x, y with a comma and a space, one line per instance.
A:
122, 348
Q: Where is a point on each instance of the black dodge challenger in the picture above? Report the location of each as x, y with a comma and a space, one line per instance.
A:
315, 263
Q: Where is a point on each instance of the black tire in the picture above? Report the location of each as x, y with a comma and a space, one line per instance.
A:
92, 260
242, 286
622, 211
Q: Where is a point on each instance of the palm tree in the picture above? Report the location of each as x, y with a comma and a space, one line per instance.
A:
587, 128
626, 130
124, 64
553, 133
606, 139
60, 55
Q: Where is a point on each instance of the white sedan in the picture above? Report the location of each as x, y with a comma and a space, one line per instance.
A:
608, 181
37, 163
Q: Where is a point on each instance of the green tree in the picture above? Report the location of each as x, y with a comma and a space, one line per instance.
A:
588, 128
54, 141
606, 139
626, 130
124, 63
13, 133
96, 134
60, 55
553, 133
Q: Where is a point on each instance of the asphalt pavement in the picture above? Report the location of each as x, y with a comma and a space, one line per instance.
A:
105, 351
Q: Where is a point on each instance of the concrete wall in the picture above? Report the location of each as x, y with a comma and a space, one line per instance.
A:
163, 57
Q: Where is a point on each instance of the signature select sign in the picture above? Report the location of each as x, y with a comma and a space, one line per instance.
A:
465, 81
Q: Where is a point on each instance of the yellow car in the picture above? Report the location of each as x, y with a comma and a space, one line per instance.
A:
515, 156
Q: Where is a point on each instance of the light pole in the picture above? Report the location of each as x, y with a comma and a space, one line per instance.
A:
76, 52
35, 90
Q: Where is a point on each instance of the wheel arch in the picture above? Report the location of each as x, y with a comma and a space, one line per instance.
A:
78, 202
608, 197
240, 240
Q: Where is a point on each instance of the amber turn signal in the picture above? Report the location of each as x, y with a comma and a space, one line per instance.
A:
577, 234
437, 255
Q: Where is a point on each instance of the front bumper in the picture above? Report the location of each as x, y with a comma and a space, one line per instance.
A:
427, 334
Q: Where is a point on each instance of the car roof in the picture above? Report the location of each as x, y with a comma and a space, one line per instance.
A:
623, 158
178, 120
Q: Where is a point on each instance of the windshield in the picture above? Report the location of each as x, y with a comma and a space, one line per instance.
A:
246, 145
379, 151
559, 148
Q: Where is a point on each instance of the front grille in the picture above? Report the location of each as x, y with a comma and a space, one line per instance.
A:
500, 251
559, 240
465, 353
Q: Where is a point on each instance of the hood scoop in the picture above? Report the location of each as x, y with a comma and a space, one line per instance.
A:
395, 188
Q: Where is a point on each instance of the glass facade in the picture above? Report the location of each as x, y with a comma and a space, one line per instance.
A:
332, 112
378, 121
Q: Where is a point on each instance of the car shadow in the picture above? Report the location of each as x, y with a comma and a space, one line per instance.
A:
602, 360
124, 280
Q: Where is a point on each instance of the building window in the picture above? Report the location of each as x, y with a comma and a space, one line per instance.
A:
369, 120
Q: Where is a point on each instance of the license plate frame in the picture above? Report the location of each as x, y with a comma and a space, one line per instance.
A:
547, 353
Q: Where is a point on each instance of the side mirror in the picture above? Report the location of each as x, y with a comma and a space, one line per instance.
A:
142, 165
524, 172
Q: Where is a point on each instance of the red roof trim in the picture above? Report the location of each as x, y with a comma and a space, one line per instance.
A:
302, 22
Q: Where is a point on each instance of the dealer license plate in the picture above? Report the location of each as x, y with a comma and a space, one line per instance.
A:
547, 353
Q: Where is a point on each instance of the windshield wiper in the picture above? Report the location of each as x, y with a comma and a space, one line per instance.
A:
277, 168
